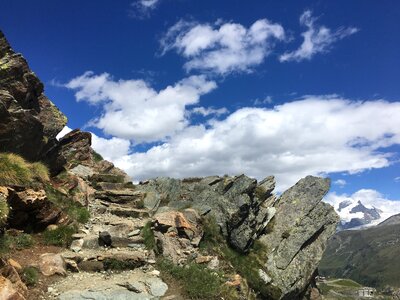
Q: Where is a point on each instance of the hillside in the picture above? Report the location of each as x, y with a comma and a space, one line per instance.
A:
369, 256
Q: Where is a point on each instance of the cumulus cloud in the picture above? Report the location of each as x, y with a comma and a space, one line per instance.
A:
316, 135
340, 182
369, 198
222, 47
135, 111
317, 39
208, 111
141, 9
111, 149
63, 132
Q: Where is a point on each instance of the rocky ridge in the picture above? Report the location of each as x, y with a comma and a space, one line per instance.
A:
114, 254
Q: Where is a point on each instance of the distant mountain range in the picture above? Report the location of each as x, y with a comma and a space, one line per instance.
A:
369, 256
355, 215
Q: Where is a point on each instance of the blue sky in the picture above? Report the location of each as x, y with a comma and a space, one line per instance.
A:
188, 88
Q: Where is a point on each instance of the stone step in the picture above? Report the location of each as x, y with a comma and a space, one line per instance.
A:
121, 196
133, 284
96, 260
104, 186
128, 212
112, 178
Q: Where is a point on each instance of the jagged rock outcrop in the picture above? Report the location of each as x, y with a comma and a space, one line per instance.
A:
302, 226
29, 121
293, 228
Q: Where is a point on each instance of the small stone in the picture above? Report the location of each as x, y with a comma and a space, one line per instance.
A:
203, 259
151, 261
77, 245
134, 233
214, 263
105, 239
155, 273
52, 227
14, 264
77, 236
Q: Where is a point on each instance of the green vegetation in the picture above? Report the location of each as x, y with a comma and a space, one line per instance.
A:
97, 157
14, 170
119, 265
18, 242
4, 211
73, 209
61, 236
197, 281
247, 265
368, 256
148, 236
30, 276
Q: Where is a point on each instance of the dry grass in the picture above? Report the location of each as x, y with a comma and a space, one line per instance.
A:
14, 170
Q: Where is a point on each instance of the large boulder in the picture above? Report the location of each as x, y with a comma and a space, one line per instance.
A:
29, 121
31, 210
302, 225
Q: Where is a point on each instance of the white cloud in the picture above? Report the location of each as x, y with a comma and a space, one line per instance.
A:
317, 39
397, 179
316, 135
111, 149
63, 132
222, 47
135, 111
340, 182
141, 9
369, 198
266, 100
207, 111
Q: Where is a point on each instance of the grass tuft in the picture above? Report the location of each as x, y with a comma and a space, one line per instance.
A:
18, 242
30, 276
62, 236
4, 211
14, 170
148, 236
197, 281
73, 209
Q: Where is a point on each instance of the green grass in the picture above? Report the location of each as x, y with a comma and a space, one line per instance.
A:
368, 256
119, 265
4, 211
14, 170
347, 283
148, 236
97, 157
62, 236
74, 210
247, 265
197, 281
18, 242
30, 276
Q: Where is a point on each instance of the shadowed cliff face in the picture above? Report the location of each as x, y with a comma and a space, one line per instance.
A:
29, 121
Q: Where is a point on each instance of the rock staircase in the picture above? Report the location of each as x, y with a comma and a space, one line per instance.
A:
117, 214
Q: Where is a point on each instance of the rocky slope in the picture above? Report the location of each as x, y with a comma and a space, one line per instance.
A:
234, 230
369, 256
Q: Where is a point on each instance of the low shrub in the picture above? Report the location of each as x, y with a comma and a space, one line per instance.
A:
119, 265
61, 236
30, 276
197, 281
74, 210
148, 236
4, 211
